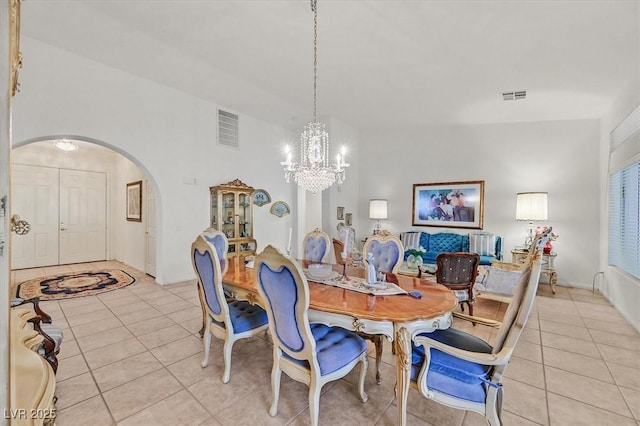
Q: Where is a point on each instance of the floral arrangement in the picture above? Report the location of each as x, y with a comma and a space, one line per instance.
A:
417, 252
542, 229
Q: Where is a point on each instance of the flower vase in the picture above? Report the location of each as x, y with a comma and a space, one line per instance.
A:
411, 261
547, 248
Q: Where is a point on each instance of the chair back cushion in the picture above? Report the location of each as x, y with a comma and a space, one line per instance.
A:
387, 252
457, 268
220, 243
285, 291
207, 268
315, 248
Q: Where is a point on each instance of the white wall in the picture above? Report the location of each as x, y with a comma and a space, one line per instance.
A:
558, 157
169, 135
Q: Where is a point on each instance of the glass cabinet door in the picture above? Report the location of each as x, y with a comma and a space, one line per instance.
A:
228, 214
232, 214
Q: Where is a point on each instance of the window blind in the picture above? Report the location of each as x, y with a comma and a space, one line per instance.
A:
624, 219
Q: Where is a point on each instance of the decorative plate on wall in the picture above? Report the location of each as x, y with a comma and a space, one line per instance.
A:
280, 208
261, 197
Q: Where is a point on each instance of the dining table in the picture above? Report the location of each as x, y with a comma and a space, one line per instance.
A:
422, 306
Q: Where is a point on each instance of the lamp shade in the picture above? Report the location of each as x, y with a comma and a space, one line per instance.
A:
377, 209
531, 206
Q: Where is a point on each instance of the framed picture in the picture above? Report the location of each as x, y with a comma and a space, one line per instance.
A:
261, 197
340, 214
449, 204
348, 219
134, 201
280, 208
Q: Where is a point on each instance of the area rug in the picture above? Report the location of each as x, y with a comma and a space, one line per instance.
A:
75, 284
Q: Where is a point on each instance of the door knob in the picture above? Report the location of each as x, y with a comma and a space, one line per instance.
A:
62, 228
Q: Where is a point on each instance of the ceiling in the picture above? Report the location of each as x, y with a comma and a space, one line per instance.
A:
380, 63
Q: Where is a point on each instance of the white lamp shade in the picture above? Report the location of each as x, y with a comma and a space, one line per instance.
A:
531, 206
377, 209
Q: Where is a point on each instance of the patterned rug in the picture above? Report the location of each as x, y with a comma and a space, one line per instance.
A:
75, 284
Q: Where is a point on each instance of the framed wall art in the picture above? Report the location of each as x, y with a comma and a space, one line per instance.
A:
280, 208
134, 201
261, 197
449, 204
340, 213
348, 219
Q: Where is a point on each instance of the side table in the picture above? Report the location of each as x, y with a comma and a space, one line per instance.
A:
519, 257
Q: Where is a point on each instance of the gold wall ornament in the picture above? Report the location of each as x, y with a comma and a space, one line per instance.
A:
15, 56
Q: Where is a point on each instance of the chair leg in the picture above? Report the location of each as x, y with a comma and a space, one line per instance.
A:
206, 341
276, 373
228, 345
363, 374
378, 342
314, 401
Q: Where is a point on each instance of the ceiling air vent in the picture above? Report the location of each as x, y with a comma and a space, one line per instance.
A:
227, 129
514, 96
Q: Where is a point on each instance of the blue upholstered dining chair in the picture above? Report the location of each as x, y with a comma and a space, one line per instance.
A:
219, 241
387, 251
462, 371
458, 271
311, 353
317, 246
229, 321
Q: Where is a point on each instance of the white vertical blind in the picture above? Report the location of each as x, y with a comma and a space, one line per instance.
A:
624, 219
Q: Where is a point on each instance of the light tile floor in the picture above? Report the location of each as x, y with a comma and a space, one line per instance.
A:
132, 357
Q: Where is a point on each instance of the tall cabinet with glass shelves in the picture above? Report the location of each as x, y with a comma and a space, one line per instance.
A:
232, 214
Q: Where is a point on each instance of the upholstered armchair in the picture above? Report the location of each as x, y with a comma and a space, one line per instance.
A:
311, 353
458, 271
317, 246
229, 321
387, 251
465, 372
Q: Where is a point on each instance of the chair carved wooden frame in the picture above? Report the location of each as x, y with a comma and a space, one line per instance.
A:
388, 253
310, 353
317, 246
458, 271
463, 371
229, 321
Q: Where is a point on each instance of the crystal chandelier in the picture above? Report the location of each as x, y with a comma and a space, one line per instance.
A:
313, 172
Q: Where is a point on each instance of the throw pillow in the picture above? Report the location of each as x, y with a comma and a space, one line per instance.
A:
410, 240
483, 244
500, 281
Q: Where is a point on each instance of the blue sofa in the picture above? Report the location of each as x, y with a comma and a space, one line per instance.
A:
487, 245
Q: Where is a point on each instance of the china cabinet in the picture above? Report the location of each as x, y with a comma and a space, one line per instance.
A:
232, 214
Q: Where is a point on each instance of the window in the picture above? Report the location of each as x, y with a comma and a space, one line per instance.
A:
624, 219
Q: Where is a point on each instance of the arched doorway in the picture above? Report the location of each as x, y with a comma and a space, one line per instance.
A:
131, 242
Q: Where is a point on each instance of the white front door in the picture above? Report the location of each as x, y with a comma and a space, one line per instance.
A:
150, 233
82, 216
66, 210
34, 198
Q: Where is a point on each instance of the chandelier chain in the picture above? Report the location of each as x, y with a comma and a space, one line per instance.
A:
314, 8
313, 172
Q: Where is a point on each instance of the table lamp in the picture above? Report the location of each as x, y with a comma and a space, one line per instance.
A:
377, 211
531, 206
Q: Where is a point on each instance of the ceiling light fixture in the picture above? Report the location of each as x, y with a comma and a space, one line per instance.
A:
65, 145
314, 172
